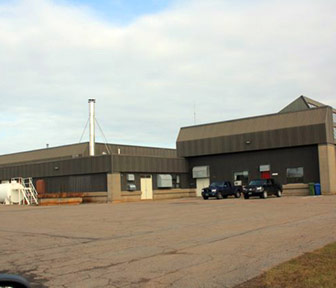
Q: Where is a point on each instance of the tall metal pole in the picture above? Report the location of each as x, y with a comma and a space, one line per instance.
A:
92, 126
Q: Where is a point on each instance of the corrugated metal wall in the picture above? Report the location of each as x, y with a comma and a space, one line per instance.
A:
129, 150
222, 167
298, 136
121, 163
257, 133
53, 153
77, 183
85, 165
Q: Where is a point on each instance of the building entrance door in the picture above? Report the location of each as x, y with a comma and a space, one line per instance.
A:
146, 187
200, 184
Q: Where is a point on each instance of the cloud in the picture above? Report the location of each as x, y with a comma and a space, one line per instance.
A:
230, 60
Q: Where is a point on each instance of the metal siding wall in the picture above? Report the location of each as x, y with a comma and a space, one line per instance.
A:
122, 163
78, 183
52, 154
136, 150
223, 166
297, 136
310, 117
87, 165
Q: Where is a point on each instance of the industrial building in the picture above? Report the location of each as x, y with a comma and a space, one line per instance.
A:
116, 172
295, 146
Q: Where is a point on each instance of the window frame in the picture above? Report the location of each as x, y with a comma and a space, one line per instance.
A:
296, 176
244, 173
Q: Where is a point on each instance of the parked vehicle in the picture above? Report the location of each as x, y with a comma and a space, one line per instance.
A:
262, 188
221, 189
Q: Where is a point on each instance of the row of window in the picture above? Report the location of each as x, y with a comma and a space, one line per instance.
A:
294, 175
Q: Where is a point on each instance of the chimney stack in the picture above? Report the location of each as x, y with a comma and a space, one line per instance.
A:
92, 126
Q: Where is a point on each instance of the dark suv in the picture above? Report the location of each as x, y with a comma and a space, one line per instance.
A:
221, 189
262, 188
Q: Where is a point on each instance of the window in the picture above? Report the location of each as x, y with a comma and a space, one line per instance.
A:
130, 182
334, 117
265, 168
295, 175
312, 105
335, 133
258, 182
241, 176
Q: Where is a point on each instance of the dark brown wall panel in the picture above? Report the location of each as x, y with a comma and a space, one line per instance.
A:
297, 136
85, 165
76, 183
121, 163
223, 166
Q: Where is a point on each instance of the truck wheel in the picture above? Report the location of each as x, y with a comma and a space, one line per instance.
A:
237, 194
246, 196
264, 195
278, 193
205, 197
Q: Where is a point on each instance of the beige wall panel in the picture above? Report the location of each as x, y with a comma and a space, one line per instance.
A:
162, 194
296, 189
327, 163
200, 184
174, 193
113, 187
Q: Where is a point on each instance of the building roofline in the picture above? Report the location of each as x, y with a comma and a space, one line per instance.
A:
254, 117
137, 146
43, 149
308, 101
83, 143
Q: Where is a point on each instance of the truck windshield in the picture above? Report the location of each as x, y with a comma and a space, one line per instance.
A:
258, 182
216, 184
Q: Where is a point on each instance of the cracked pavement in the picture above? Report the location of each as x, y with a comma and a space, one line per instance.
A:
174, 243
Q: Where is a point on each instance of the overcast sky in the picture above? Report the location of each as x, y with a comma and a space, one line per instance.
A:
150, 64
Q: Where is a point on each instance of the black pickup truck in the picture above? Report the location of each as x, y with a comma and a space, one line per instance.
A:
221, 189
262, 188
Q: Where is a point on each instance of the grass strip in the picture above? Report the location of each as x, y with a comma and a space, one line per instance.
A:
311, 270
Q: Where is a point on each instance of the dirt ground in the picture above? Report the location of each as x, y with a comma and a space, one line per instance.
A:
175, 243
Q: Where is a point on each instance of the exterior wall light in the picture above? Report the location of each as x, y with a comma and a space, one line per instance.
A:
248, 142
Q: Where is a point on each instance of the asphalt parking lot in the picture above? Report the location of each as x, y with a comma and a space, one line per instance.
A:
175, 243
